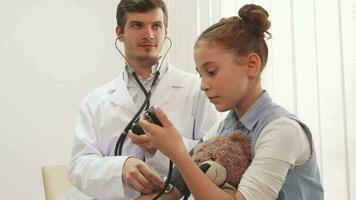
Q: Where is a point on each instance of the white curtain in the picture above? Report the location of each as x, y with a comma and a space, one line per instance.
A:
311, 71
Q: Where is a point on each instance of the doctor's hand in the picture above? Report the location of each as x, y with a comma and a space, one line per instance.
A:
141, 177
143, 142
167, 139
147, 196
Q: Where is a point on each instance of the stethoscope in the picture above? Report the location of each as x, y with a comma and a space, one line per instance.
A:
145, 105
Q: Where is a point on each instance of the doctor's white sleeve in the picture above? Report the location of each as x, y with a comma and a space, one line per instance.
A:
89, 170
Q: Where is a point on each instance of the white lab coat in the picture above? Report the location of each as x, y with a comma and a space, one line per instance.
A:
103, 116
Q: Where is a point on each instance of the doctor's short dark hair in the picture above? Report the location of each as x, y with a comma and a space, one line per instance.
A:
126, 6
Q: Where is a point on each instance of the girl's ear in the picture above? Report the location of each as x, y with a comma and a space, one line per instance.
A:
253, 65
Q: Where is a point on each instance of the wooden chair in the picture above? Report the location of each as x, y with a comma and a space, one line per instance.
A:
55, 180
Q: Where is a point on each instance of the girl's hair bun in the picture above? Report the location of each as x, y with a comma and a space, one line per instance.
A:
255, 18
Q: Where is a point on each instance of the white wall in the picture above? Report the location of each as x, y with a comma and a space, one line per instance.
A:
53, 52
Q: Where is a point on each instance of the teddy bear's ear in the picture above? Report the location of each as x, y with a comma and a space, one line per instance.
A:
243, 140
237, 136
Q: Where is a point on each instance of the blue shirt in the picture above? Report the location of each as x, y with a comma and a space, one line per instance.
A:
302, 182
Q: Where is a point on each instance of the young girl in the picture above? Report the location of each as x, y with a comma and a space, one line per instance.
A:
230, 56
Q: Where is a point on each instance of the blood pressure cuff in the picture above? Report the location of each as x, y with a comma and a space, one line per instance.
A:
178, 181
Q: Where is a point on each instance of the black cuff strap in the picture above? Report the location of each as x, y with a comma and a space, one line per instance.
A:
178, 182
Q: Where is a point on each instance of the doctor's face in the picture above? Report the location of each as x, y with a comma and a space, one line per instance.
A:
143, 35
224, 77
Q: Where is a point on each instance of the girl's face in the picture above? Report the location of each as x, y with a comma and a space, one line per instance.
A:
224, 76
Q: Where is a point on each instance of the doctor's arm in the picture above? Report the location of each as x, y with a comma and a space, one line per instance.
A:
95, 174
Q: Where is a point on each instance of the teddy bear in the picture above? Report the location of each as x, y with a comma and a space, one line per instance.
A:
228, 157
224, 159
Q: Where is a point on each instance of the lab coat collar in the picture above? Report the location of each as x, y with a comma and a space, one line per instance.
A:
162, 64
162, 94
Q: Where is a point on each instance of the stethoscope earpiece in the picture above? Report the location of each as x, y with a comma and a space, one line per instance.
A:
120, 38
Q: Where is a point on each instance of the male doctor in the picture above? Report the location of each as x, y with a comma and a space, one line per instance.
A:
105, 112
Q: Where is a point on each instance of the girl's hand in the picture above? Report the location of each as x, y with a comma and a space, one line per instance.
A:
143, 142
167, 139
